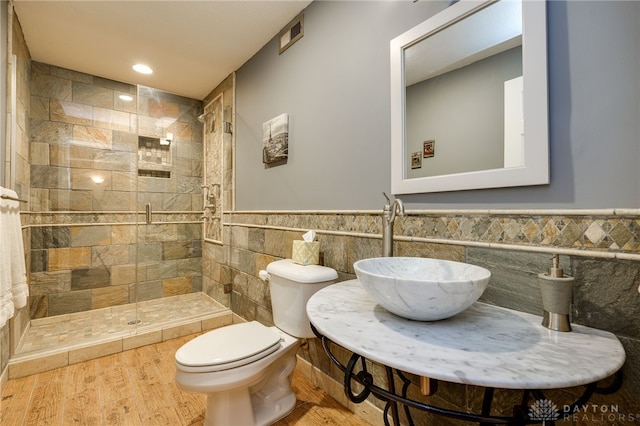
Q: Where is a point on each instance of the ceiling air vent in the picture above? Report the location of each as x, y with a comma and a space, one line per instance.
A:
291, 33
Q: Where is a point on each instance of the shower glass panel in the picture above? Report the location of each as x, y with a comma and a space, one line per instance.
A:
101, 151
169, 201
83, 141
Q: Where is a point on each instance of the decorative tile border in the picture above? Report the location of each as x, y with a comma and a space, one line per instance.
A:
592, 231
107, 218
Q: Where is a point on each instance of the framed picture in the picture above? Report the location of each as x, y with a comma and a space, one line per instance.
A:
416, 160
275, 139
428, 148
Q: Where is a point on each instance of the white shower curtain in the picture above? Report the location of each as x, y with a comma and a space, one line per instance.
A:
13, 278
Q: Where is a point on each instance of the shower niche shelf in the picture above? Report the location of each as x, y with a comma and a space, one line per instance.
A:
154, 157
154, 173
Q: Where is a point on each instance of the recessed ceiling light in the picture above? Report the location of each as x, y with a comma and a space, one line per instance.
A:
142, 69
126, 98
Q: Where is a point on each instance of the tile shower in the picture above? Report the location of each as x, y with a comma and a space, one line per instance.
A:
96, 162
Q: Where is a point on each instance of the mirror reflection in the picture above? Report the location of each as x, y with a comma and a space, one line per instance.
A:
480, 82
458, 99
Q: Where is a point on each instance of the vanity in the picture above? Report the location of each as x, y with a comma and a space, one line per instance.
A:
485, 345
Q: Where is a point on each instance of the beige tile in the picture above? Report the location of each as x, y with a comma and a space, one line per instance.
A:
123, 181
240, 237
93, 137
142, 339
98, 180
160, 232
43, 283
109, 296
175, 286
50, 87
163, 109
27, 367
39, 154
70, 112
95, 351
217, 322
69, 258
90, 94
110, 119
59, 155
123, 274
68, 74
114, 200
70, 200
90, 236
39, 108
113, 254
122, 105
181, 330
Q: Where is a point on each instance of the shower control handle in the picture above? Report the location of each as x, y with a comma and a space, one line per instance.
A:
148, 213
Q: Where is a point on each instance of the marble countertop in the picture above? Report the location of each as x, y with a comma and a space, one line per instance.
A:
484, 345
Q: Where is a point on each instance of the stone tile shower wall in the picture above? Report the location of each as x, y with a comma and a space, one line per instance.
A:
88, 192
10, 333
600, 248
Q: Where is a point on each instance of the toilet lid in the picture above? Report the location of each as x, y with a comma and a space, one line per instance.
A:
228, 346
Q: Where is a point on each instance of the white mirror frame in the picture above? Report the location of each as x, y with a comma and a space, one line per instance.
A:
535, 170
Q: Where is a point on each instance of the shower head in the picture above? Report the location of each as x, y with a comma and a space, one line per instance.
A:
207, 118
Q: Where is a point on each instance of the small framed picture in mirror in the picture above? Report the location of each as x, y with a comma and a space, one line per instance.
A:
428, 148
416, 160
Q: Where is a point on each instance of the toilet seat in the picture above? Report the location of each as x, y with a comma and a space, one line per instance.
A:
227, 347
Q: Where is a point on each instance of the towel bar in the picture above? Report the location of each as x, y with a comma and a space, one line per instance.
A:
6, 197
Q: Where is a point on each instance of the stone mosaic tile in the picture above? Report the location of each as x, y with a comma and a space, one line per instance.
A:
75, 329
580, 231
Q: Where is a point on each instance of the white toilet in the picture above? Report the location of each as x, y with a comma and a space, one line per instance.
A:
245, 369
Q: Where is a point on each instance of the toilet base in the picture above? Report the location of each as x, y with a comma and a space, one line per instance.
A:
261, 404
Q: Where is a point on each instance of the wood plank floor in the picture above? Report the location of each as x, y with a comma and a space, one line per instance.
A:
137, 387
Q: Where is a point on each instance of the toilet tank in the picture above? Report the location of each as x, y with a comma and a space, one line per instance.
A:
291, 286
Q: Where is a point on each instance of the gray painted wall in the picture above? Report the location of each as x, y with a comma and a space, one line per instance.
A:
463, 111
334, 84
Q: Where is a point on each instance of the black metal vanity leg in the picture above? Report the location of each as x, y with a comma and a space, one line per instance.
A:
363, 377
405, 394
392, 389
613, 387
486, 404
520, 411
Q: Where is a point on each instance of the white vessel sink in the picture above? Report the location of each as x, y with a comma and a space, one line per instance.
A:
422, 289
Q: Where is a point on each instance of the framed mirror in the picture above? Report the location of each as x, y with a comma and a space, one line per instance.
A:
469, 106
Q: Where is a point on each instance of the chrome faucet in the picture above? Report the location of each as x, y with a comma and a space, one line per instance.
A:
388, 217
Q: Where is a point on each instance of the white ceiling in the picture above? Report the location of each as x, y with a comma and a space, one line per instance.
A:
191, 45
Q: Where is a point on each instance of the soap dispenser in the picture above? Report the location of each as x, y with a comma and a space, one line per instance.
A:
557, 292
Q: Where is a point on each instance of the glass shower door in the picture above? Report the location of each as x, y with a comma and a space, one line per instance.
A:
169, 202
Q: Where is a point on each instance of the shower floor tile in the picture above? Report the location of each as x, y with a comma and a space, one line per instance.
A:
150, 321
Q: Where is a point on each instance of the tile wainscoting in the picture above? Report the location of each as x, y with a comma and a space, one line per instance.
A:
90, 260
599, 247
